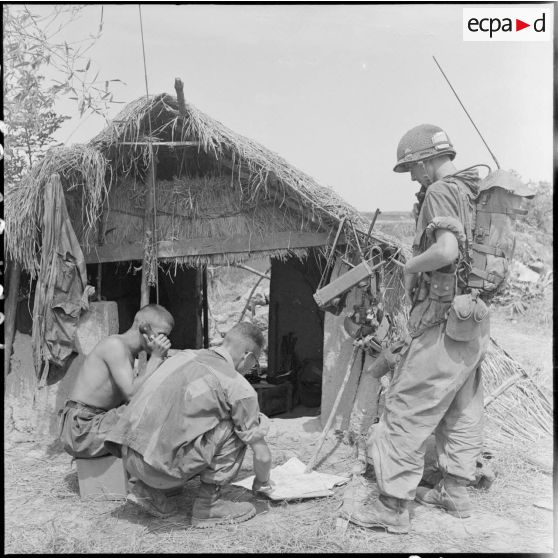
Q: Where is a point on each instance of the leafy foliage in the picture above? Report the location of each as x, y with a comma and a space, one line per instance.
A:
540, 213
534, 300
33, 44
32, 121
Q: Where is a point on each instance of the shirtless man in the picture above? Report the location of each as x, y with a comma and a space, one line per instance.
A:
106, 382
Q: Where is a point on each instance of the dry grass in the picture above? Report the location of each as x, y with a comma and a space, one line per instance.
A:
200, 207
159, 117
79, 167
519, 486
44, 514
517, 407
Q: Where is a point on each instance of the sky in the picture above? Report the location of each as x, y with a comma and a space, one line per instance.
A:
332, 88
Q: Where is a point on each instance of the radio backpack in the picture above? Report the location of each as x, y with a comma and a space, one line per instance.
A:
491, 232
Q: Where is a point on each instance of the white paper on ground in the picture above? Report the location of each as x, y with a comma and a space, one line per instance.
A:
292, 483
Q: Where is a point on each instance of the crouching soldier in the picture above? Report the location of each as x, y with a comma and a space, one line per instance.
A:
195, 417
106, 381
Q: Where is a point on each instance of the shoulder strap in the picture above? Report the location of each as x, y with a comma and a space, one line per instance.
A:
465, 263
465, 215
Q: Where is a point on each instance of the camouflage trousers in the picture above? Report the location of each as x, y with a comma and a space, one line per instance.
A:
216, 456
436, 388
83, 428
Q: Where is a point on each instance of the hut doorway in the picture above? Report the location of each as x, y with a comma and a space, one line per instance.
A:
289, 382
179, 293
282, 306
296, 329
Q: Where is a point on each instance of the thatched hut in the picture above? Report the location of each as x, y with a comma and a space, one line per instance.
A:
167, 189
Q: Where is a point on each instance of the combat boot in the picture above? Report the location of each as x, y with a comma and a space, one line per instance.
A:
450, 494
209, 509
356, 494
385, 511
149, 499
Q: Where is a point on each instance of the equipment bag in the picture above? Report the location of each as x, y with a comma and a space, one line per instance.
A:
491, 233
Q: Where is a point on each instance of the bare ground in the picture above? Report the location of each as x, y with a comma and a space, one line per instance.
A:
44, 513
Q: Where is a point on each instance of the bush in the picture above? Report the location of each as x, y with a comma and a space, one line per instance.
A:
403, 230
540, 211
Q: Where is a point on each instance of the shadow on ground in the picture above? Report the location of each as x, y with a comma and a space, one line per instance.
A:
182, 517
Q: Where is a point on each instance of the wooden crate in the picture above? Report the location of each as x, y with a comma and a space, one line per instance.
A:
104, 478
274, 399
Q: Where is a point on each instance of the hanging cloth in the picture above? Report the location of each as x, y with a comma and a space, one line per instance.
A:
62, 293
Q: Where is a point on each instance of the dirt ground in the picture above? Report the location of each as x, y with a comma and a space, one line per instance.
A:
44, 513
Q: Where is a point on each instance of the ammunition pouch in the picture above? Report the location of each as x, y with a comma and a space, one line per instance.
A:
442, 286
465, 316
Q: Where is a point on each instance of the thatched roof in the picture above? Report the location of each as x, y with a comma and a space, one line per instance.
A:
222, 185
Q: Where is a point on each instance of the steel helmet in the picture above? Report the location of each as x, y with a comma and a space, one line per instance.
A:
422, 142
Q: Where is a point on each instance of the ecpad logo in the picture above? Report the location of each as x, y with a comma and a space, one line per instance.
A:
508, 24
495, 24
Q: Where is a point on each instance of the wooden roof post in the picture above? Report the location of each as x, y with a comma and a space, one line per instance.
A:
205, 309
202, 270
179, 88
100, 242
149, 264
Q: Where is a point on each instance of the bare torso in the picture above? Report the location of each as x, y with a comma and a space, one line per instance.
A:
94, 383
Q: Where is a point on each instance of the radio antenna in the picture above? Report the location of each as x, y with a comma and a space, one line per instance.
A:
463, 106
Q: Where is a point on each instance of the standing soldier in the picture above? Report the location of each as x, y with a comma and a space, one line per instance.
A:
436, 387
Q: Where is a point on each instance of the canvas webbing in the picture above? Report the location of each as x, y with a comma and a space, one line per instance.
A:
487, 249
483, 274
507, 211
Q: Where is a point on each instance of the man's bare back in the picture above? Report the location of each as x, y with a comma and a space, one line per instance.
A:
106, 381
107, 378
95, 384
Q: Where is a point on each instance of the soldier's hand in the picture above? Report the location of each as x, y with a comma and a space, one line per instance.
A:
159, 345
415, 211
262, 488
411, 284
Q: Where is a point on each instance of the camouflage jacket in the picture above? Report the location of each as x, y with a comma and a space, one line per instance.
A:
441, 208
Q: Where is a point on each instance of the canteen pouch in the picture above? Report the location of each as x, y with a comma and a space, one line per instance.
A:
465, 316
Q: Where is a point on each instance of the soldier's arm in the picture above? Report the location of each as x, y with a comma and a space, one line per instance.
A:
158, 347
262, 460
117, 358
443, 252
440, 214
251, 427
